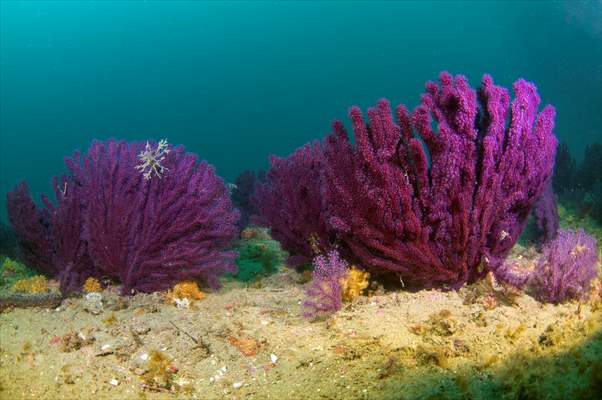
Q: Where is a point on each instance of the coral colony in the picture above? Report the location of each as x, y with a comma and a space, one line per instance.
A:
436, 222
290, 203
436, 197
242, 191
439, 209
147, 215
566, 268
324, 295
546, 216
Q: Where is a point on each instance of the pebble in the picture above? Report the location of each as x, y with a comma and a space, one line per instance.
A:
182, 303
273, 358
182, 382
141, 330
93, 303
114, 382
219, 374
237, 385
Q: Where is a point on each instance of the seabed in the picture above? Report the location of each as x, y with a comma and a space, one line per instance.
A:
252, 342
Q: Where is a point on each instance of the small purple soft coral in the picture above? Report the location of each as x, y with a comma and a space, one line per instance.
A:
566, 268
324, 295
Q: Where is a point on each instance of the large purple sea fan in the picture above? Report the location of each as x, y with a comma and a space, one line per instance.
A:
442, 207
145, 214
290, 203
153, 227
566, 267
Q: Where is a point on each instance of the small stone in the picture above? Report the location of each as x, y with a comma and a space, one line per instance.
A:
273, 358
114, 382
182, 303
144, 356
182, 382
105, 347
141, 330
237, 385
93, 303
117, 304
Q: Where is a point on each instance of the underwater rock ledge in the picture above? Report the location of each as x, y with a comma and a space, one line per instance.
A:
19, 300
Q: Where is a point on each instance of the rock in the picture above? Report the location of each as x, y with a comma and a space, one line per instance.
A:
117, 304
92, 303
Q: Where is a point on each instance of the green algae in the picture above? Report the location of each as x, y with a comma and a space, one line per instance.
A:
259, 256
12, 271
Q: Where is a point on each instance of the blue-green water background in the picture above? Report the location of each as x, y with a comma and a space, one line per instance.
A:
238, 81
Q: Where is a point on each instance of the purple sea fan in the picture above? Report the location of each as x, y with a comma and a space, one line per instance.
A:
324, 295
566, 268
153, 223
546, 215
442, 208
32, 228
66, 217
290, 203
244, 185
50, 238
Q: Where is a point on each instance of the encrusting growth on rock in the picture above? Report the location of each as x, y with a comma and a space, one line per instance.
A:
184, 290
159, 371
355, 283
35, 285
92, 285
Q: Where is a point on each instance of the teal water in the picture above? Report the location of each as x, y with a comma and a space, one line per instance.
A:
237, 81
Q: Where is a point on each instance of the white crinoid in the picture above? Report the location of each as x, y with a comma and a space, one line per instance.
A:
150, 159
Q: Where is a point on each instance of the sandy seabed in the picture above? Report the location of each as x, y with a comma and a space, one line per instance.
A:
254, 343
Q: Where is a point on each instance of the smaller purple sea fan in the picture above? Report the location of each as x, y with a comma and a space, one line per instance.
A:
324, 296
546, 215
566, 268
